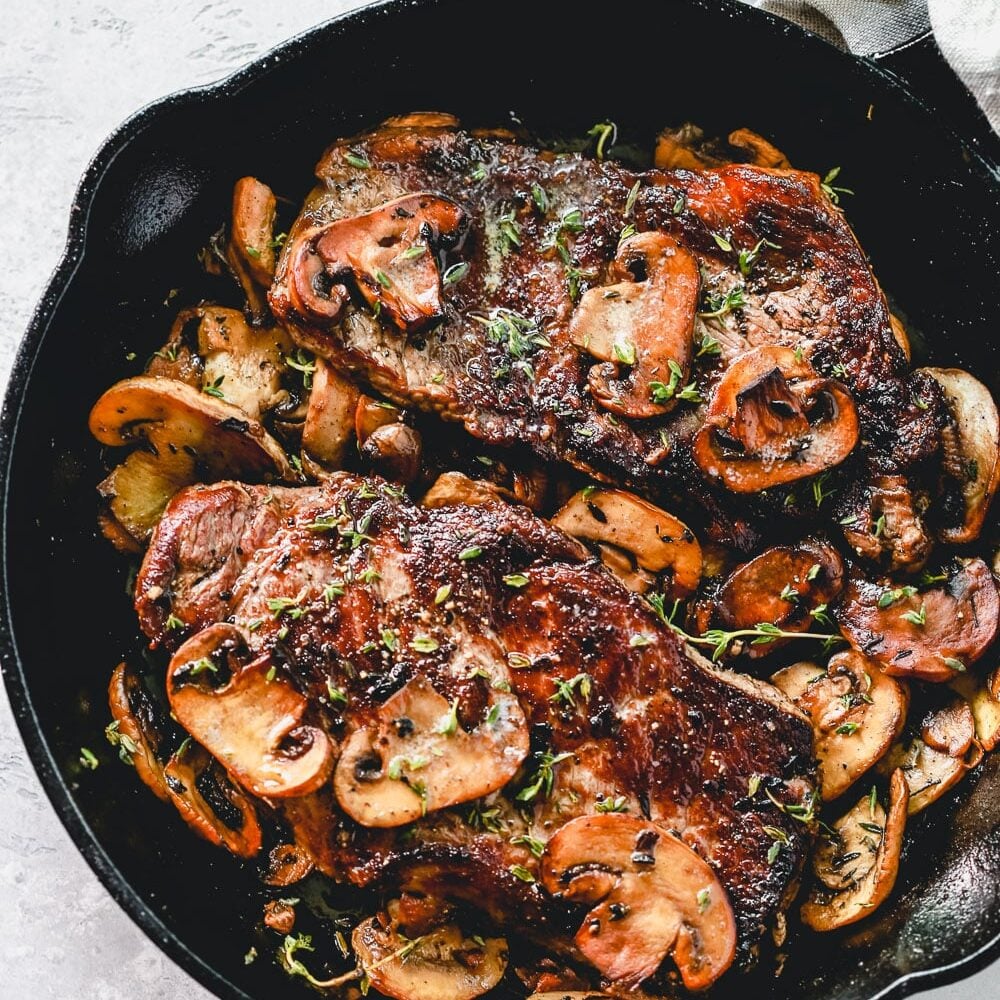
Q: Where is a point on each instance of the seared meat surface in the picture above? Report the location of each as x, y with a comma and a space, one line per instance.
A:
531, 242
358, 598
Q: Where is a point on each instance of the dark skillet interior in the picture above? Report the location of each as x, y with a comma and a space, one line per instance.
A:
928, 214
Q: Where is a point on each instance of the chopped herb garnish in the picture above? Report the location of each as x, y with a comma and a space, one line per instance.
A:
566, 690
88, 759
606, 134
337, 696
704, 899
889, 597
358, 160
717, 305
544, 776
954, 663
382, 278
472, 552
536, 846
915, 617
833, 193
539, 197
519, 871
424, 644
214, 388
640, 639
301, 362
624, 351
747, 258
412, 253
709, 346
847, 728
619, 804
510, 231
443, 593
722, 243
449, 725
454, 275
516, 580
633, 196
173, 623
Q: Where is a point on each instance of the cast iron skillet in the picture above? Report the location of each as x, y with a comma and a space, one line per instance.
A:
927, 209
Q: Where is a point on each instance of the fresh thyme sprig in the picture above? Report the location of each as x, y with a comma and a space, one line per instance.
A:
720, 640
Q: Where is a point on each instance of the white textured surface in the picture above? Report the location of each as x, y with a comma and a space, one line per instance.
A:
70, 71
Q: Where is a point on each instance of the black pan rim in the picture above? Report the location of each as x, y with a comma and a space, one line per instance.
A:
11, 667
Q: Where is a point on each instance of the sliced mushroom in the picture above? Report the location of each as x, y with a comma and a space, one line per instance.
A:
394, 452
934, 760
442, 963
189, 437
900, 335
254, 208
856, 870
684, 148
287, 864
416, 757
329, 426
983, 695
634, 535
971, 449
643, 324
388, 254
786, 585
243, 363
422, 119
370, 414
931, 634
134, 719
650, 896
251, 723
210, 803
856, 712
774, 420
757, 150
454, 488
886, 528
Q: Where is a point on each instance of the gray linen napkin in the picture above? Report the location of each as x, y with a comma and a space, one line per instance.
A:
966, 31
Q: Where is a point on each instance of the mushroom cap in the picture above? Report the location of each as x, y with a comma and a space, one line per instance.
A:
440, 964
650, 894
390, 773
856, 711
130, 709
809, 574
185, 774
960, 621
982, 692
773, 420
651, 539
871, 840
643, 324
172, 417
252, 723
254, 208
977, 426
373, 252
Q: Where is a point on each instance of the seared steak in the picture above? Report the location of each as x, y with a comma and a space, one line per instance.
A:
524, 236
359, 598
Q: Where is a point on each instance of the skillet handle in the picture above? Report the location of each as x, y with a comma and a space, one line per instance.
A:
921, 69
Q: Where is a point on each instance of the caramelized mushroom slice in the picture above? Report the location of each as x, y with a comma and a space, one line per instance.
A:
454, 488
886, 527
287, 864
787, 585
757, 150
371, 414
900, 335
329, 425
650, 894
934, 760
210, 803
388, 254
856, 712
188, 436
242, 363
416, 756
254, 208
633, 534
394, 452
983, 696
931, 634
971, 449
774, 420
684, 148
856, 870
643, 324
442, 963
251, 723
134, 718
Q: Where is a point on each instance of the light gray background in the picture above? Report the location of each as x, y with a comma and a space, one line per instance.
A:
70, 71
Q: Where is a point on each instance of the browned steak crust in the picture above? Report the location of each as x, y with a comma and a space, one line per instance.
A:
810, 287
676, 739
